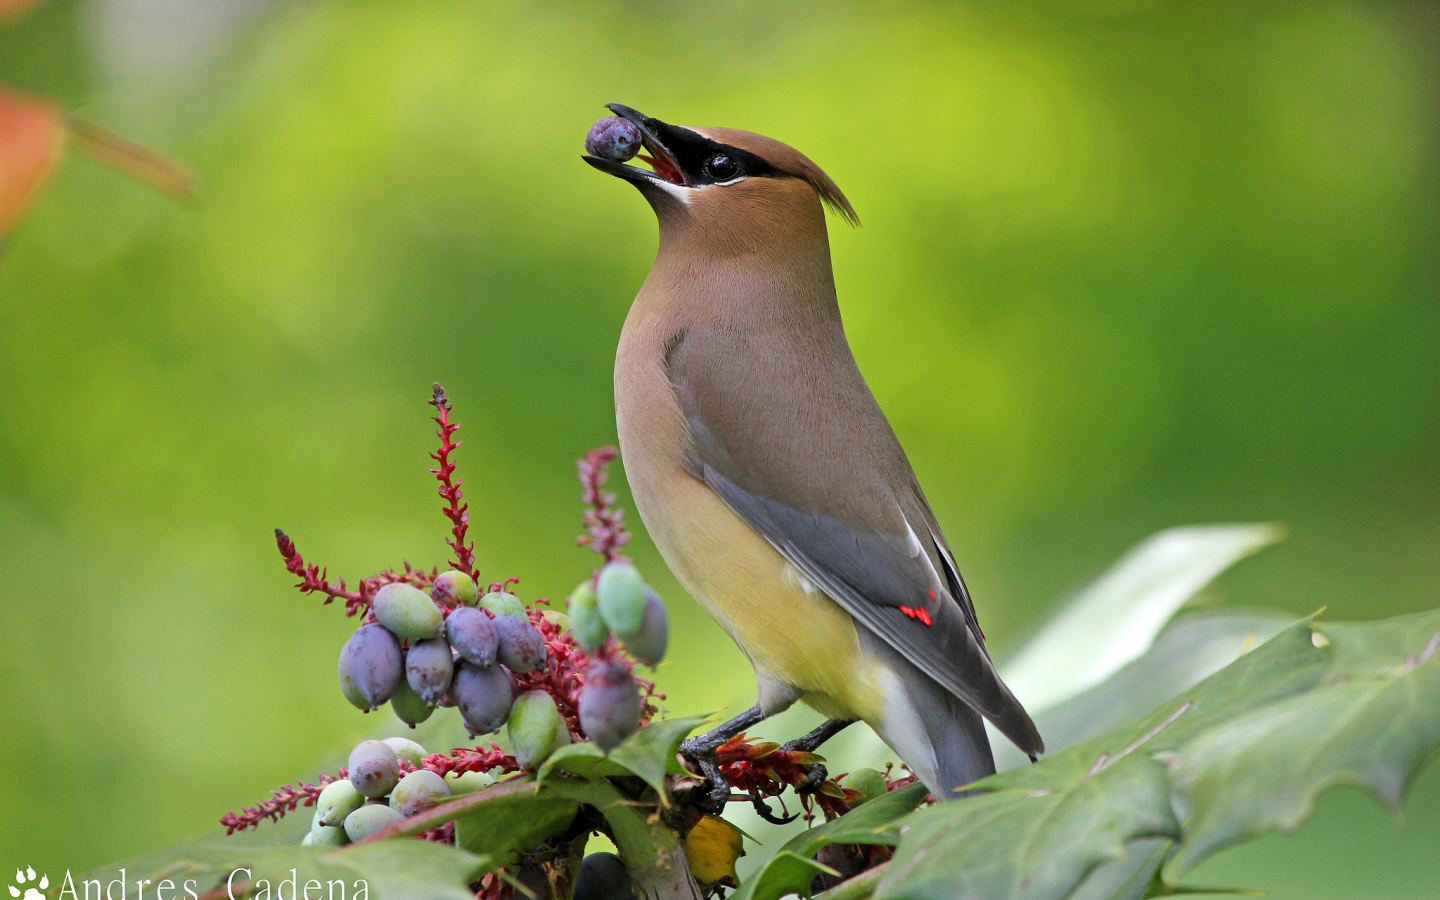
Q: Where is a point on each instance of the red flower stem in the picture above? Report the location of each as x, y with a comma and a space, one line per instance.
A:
455, 510
604, 521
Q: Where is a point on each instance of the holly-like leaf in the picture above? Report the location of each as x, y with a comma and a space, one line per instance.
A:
1115, 618
1128, 878
32, 136
1371, 723
1036, 832
648, 754
511, 823
391, 870
789, 871
1245, 752
1191, 648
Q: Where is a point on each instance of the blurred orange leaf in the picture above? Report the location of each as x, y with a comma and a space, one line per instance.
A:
32, 135
10, 8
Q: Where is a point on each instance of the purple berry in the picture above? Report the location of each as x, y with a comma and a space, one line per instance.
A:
484, 697
472, 634
429, 668
374, 769
609, 705
603, 877
371, 663
613, 138
521, 647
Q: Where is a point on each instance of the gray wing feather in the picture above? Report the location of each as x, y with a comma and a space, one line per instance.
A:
871, 577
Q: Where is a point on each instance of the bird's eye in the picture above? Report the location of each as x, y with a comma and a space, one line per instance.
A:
722, 167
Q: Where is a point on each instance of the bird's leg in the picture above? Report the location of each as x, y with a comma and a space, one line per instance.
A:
701, 751
810, 743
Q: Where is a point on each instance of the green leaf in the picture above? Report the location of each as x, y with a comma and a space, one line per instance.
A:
1041, 829
1371, 723
1037, 833
1128, 878
1115, 619
1245, 752
585, 760
789, 871
1191, 648
392, 870
512, 823
874, 822
648, 754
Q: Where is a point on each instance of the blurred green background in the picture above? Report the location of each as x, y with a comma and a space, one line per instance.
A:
1125, 265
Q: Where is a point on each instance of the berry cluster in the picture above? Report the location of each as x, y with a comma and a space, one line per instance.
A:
433, 640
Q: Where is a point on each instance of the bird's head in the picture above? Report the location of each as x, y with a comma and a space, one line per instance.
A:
726, 179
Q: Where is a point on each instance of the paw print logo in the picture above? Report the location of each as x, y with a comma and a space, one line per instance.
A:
25, 877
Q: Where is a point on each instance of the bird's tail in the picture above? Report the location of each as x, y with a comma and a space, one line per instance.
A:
935, 733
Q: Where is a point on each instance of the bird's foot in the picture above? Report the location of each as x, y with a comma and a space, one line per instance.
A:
817, 774
714, 793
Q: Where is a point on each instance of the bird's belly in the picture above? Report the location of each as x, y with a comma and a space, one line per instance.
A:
792, 633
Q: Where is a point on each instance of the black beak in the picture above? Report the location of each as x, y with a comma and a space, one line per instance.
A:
658, 138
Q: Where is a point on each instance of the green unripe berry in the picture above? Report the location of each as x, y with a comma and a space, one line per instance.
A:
557, 618
533, 727
338, 800
467, 782
407, 751
620, 592
373, 768
369, 819
454, 588
409, 706
308, 840
503, 603
868, 782
585, 621
417, 792
408, 612
326, 835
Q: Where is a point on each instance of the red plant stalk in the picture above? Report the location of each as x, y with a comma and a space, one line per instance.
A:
604, 521
282, 800
314, 579
455, 510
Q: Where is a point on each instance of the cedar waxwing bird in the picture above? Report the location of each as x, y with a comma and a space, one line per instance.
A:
770, 479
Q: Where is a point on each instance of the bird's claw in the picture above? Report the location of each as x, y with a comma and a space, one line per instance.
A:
764, 811
716, 791
815, 776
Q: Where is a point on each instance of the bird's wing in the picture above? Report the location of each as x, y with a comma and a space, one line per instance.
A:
807, 459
